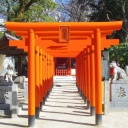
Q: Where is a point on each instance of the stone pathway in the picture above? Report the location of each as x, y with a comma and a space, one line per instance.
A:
64, 108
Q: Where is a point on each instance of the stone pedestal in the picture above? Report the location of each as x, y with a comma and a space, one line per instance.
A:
105, 55
119, 94
106, 97
14, 100
25, 83
105, 69
8, 100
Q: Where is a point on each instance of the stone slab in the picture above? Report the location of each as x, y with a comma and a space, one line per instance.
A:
25, 90
120, 92
105, 69
8, 100
119, 95
106, 97
5, 94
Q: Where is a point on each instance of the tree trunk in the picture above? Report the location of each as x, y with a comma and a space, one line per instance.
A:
125, 26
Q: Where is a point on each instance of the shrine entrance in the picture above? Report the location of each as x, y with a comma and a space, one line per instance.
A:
80, 40
65, 66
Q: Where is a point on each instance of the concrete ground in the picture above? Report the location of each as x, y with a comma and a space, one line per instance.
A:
65, 108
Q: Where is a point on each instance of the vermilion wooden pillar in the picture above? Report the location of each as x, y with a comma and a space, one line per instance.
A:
54, 68
40, 75
88, 77
43, 75
81, 76
49, 75
37, 89
85, 76
31, 78
46, 71
98, 84
80, 73
76, 71
70, 61
51, 68
45, 82
92, 80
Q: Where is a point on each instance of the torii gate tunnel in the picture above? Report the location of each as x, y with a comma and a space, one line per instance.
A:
81, 40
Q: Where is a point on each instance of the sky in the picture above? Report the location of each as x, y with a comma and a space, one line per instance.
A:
3, 17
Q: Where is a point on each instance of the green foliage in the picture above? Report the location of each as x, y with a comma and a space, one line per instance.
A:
104, 7
111, 10
114, 10
38, 13
27, 10
1, 34
119, 54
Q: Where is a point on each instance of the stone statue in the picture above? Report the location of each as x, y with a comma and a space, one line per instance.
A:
6, 69
116, 72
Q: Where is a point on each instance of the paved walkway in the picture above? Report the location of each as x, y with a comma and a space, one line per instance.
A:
65, 108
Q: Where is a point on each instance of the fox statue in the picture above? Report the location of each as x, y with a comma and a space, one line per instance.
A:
117, 72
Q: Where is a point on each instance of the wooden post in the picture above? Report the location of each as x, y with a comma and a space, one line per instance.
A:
98, 84
37, 89
82, 74
52, 71
46, 71
31, 79
85, 77
92, 80
43, 75
40, 73
76, 71
88, 77
70, 65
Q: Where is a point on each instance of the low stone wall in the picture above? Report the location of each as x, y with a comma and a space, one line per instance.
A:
119, 95
8, 100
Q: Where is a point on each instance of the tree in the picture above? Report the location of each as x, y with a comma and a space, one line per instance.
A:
111, 10
27, 10
74, 10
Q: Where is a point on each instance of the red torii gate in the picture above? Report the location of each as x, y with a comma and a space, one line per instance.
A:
83, 40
